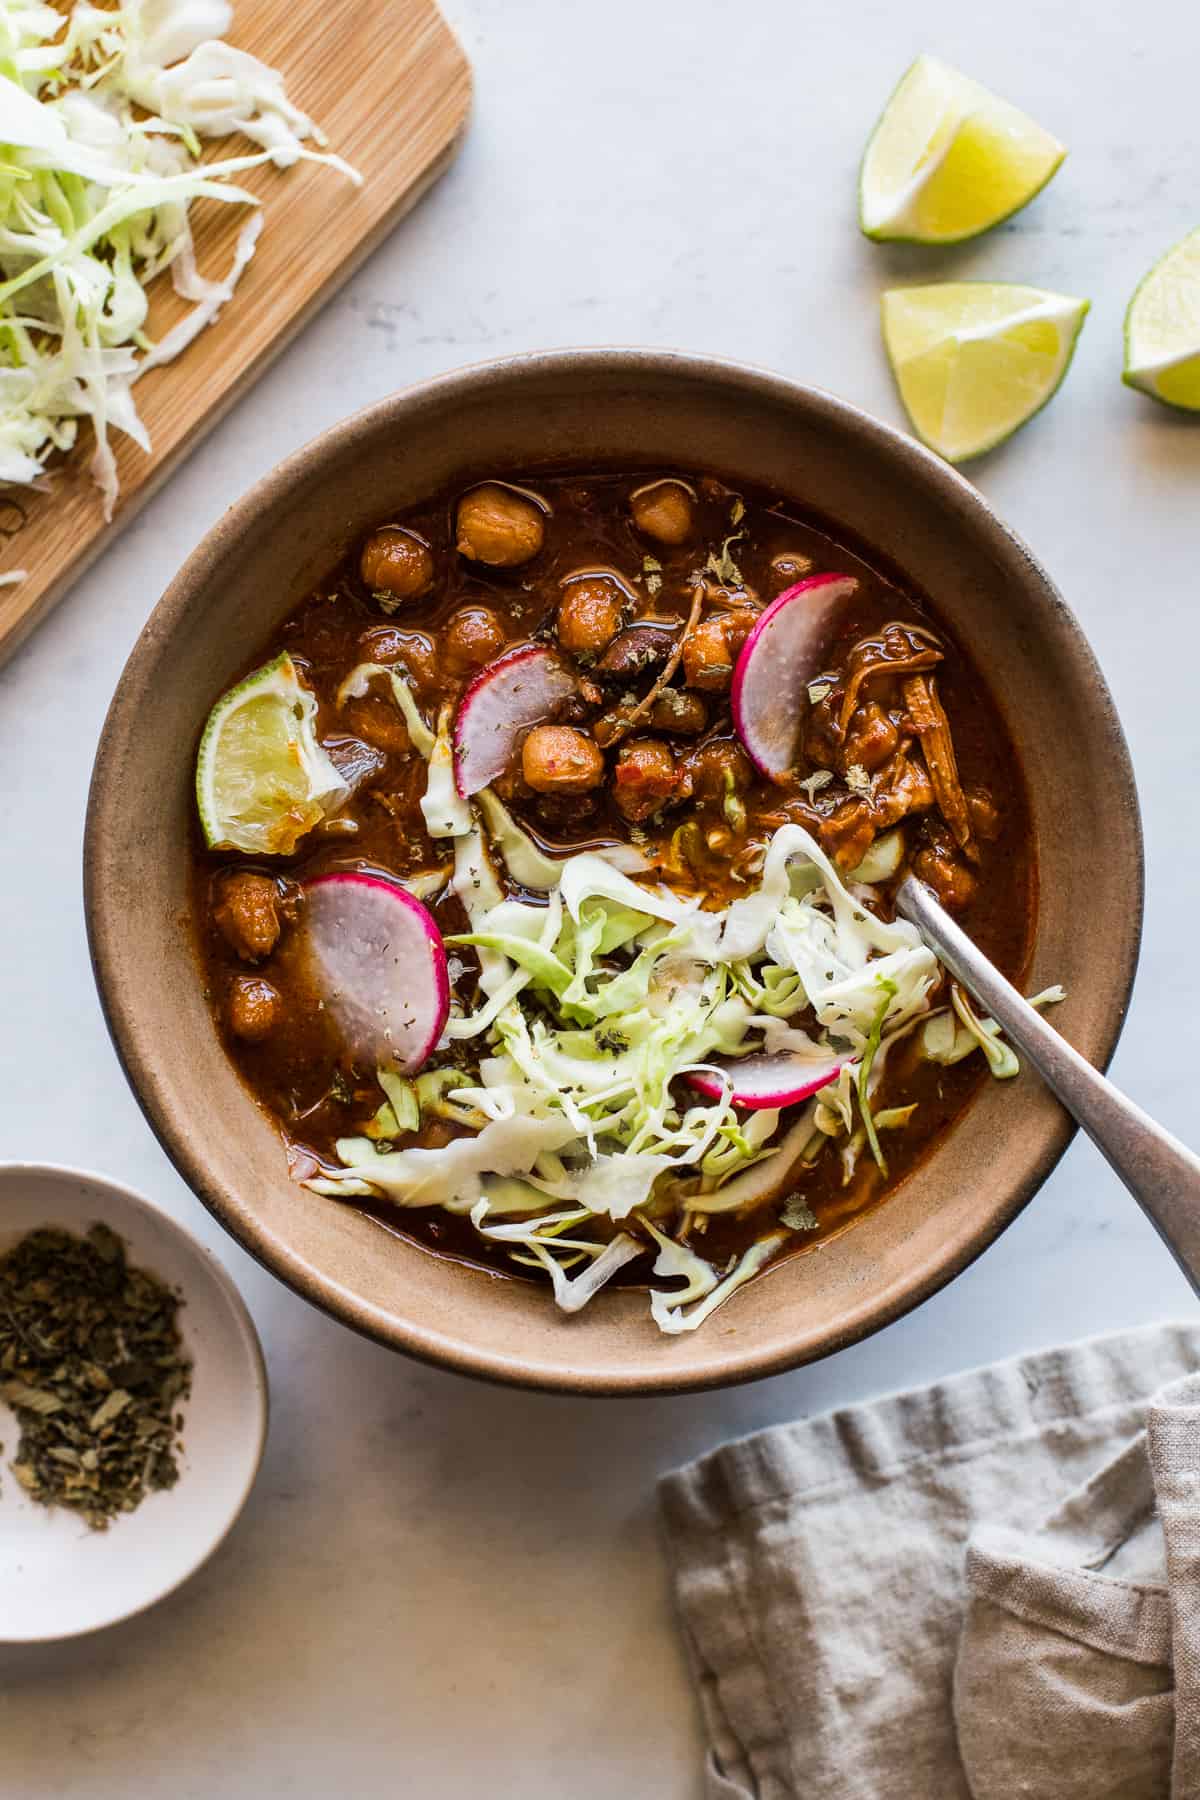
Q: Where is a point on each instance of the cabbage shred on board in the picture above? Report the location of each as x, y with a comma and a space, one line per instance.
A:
104, 113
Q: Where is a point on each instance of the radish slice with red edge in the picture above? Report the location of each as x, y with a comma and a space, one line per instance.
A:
778, 660
784, 1079
377, 959
523, 688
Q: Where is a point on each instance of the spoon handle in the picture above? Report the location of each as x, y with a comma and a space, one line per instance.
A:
1162, 1174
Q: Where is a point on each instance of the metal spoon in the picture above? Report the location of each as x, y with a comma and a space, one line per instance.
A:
1161, 1173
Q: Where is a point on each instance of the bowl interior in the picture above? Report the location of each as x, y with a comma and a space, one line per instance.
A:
609, 407
59, 1578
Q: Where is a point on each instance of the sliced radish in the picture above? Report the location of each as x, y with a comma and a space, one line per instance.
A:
380, 966
784, 1079
777, 661
526, 687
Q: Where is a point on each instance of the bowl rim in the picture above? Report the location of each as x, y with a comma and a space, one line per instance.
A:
260, 1390
445, 1349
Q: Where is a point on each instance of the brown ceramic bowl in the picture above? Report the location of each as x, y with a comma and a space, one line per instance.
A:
632, 408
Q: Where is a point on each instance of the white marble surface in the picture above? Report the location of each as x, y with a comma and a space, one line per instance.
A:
441, 1589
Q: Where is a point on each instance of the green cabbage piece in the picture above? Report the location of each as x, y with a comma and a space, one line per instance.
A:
402, 1099
401, 1110
957, 1032
882, 860
443, 808
887, 989
672, 1316
358, 682
451, 1176
676, 1260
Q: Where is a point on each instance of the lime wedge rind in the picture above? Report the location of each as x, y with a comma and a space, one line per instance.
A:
262, 798
1148, 381
879, 235
1162, 329
931, 351
908, 165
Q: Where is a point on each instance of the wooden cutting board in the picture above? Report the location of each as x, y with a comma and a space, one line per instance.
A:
389, 85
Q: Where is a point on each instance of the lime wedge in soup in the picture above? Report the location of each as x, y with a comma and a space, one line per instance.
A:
1162, 329
262, 779
974, 360
949, 158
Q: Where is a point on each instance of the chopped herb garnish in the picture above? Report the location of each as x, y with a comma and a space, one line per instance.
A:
721, 565
92, 1364
797, 1215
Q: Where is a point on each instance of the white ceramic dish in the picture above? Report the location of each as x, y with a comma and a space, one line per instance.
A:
57, 1577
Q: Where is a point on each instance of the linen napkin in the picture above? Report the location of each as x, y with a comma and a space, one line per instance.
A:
984, 1590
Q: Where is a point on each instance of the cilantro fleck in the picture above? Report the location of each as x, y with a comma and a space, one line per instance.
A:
721, 565
797, 1215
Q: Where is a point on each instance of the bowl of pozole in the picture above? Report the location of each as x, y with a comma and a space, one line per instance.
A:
491, 856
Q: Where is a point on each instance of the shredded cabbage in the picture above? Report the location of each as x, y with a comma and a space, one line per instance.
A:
443, 808
358, 682
545, 1240
102, 117
675, 1259
594, 1006
957, 1032
451, 1177
669, 1314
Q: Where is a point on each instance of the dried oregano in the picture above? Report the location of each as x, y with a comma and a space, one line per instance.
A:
92, 1364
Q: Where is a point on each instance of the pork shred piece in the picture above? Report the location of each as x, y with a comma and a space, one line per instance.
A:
899, 790
939, 867
929, 720
891, 665
895, 651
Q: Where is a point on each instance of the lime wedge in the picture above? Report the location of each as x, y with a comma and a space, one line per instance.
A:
975, 359
949, 158
262, 779
1162, 329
